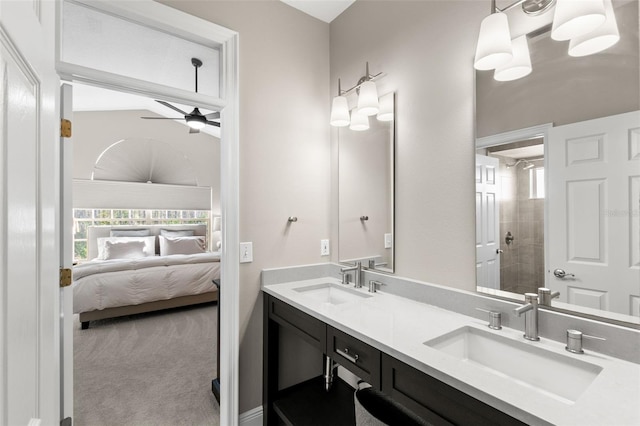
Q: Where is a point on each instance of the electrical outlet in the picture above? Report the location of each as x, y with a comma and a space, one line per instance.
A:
324, 247
388, 241
246, 252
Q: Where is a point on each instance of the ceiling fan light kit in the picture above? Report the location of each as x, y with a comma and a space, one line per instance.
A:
195, 119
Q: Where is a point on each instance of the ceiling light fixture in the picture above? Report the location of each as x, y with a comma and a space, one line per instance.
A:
589, 24
368, 103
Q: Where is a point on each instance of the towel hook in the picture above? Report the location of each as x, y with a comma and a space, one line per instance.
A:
363, 218
292, 219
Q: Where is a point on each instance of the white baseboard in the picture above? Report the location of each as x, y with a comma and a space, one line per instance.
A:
251, 418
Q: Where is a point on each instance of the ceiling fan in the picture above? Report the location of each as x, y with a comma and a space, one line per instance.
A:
195, 119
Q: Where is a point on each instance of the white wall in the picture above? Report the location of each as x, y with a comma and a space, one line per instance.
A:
284, 151
426, 48
93, 132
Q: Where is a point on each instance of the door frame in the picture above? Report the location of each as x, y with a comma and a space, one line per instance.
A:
175, 22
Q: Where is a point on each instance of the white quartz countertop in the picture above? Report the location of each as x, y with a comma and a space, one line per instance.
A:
399, 327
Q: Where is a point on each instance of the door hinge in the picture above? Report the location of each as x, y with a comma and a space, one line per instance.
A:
65, 128
65, 277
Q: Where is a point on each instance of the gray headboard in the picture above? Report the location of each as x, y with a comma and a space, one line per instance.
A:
95, 232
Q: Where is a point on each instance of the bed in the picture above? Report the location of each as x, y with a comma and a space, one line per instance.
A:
136, 269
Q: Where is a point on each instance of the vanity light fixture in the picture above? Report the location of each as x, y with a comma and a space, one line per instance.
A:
367, 95
602, 38
386, 108
519, 66
575, 18
494, 42
589, 24
339, 109
368, 103
359, 122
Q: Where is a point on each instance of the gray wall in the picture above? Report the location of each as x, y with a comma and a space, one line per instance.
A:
426, 48
284, 151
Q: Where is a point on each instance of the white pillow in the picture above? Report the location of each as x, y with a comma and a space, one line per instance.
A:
149, 244
181, 245
177, 232
123, 250
130, 233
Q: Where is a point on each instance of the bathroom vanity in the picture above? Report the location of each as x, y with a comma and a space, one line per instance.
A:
446, 367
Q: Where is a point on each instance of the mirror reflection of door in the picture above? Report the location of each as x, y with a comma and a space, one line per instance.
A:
595, 189
487, 222
520, 180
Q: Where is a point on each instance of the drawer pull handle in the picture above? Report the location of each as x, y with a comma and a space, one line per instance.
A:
345, 353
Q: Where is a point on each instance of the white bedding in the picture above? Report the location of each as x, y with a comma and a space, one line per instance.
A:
105, 284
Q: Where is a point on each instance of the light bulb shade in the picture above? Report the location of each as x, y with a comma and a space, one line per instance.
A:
603, 37
574, 18
196, 121
339, 112
494, 43
368, 99
359, 122
519, 66
386, 108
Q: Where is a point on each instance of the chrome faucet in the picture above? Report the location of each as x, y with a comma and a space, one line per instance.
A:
545, 295
357, 272
530, 311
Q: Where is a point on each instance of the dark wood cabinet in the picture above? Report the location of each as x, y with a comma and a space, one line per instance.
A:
354, 355
308, 403
434, 400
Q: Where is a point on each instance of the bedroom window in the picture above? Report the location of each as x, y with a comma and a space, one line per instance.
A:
83, 218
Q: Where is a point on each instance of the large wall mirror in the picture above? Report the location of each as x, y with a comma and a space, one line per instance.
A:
366, 193
558, 176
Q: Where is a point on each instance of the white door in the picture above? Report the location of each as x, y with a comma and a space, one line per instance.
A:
487, 223
29, 292
594, 197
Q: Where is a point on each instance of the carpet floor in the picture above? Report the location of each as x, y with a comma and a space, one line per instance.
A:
147, 369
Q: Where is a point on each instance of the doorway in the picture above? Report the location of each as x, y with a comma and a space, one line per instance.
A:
154, 15
521, 179
155, 367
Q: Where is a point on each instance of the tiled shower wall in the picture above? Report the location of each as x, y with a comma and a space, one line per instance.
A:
522, 261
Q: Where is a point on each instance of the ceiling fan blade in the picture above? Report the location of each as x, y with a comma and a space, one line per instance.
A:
212, 115
162, 118
213, 123
168, 105
192, 130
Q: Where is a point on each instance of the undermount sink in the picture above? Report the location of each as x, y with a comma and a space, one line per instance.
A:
560, 376
331, 293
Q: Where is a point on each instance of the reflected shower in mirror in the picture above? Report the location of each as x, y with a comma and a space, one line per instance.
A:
366, 191
558, 204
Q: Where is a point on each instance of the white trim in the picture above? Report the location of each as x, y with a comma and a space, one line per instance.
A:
541, 130
172, 21
230, 209
252, 417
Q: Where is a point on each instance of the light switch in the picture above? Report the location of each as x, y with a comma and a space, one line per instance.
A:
324, 247
246, 252
388, 240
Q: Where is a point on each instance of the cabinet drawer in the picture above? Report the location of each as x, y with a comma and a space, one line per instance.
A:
356, 356
436, 401
307, 327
